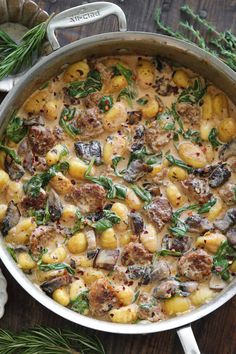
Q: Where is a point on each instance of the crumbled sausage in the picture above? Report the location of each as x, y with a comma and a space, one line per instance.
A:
149, 308
42, 235
159, 211
35, 203
156, 137
135, 253
90, 123
41, 139
195, 265
92, 99
102, 297
227, 193
198, 189
190, 113
89, 197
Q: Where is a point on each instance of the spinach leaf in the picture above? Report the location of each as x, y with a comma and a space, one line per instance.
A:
142, 193
70, 128
178, 227
105, 103
169, 126
33, 186
81, 89
222, 259
142, 101
56, 266
114, 165
144, 155
128, 94
81, 303
169, 253
115, 190
16, 130
177, 162
42, 216
193, 94
127, 73
207, 206
10, 152
12, 252
212, 137
79, 222
109, 219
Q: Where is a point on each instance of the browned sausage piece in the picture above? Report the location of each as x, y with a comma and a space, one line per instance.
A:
195, 265
149, 308
135, 253
41, 236
35, 203
90, 123
190, 113
227, 193
159, 211
41, 139
198, 189
102, 297
156, 137
89, 197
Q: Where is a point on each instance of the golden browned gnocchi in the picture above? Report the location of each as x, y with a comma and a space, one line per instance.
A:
118, 189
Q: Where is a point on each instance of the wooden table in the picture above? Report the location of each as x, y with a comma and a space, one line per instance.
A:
216, 332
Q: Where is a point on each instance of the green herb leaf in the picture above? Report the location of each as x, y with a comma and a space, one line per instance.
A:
169, 253
41, 216
193, 94
81, 303
207, 206
10, 152
65, 122
180, 163
224, 256
142, 101
79, 222
105, 103
179, 228
56, 266
109, 219
142, 193
212, 137
128, 94
81, 89
114, 165
16, 130
12, 252
127, 73
33, 186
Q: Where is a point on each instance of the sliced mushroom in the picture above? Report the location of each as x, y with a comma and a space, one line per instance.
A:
176, 244
14, 170
55, 205
136, 272
189, 286
228, 220
106, 259
91, 240
89, 150
231, 236
136, 223
228, 150
11, 218
166, 289
217, 283
198, 224
35, 120
136, 170
160, 271
138, 138
51, 285
134, 117
219, 176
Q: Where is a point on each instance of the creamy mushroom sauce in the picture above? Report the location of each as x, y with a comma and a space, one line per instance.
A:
118, 189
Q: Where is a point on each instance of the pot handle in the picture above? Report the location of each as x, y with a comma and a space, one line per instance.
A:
188, 340
82, 15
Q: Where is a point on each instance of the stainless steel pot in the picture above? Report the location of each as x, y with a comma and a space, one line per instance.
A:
112, 44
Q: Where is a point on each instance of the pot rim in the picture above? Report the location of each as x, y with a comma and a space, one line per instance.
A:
7, 106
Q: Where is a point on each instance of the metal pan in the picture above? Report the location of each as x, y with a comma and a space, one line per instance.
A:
140, 43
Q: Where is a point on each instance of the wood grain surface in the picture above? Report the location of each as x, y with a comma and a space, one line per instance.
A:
215, 333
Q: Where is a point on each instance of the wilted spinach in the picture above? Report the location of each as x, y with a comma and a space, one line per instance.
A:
16, 130
81, 89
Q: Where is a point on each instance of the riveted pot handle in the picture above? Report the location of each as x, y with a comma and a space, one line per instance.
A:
82, 15
188, 340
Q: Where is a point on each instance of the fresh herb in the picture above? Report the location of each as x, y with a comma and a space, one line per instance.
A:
16, 130
38, 181
114, 165
65, 122
41, 216
136, 295
56, 266
207, 206
107, 221
169, 253
115, 190
49, 341
142, 101
10, 152
79, 222
224, 42
224, 256
179, 228
81, 89
7, 45
12, 252
105, 103
81, 303
144, 155
128, 94
142, 193
177, 162
212, 137
22, 54
193, 94
120, 69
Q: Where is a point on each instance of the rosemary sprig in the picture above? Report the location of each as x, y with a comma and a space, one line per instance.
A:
7, 45
48, 341
22, 55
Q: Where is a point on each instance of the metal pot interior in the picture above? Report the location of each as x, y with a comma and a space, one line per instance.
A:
116, 44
